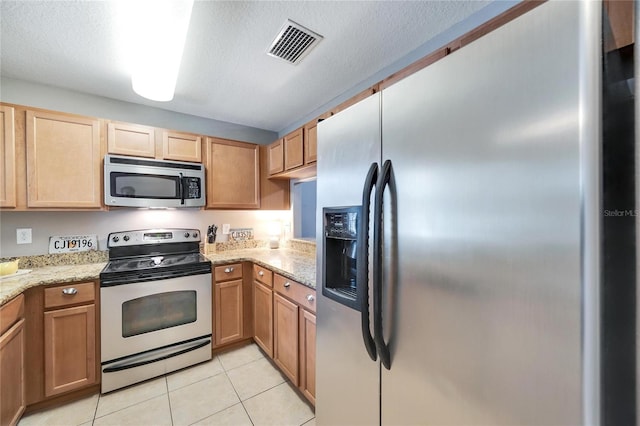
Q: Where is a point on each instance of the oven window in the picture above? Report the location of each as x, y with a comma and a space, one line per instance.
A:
158, 311
135, 185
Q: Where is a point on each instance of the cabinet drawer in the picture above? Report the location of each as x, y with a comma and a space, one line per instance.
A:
11, 312
228, 272
301, 294
263, 275
70, 294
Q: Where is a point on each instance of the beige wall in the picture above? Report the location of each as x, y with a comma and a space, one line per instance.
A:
47, 224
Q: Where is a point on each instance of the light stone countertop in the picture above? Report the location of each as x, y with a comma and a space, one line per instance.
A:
11, 287
292, 264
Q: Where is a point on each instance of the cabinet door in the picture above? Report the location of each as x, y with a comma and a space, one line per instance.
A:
308, 355
274, 193
228, 311
63, 161
263, 317
285, 336
7, 157
311, 142
276, 157
131, 139
181, 147
293, 150
12, 397
69, 349
233, 174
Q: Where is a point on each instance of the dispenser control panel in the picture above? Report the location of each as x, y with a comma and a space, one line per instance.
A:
342, 224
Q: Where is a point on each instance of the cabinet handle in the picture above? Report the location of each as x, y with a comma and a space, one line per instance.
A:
260, 273
228, 270
310, 297
69, 291
287, 284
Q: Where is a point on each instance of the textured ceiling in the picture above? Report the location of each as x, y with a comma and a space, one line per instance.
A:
225, 73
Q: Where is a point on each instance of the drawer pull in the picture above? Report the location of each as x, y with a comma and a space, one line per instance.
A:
287, 284
310, 297
260, 273
228, 270
69, 291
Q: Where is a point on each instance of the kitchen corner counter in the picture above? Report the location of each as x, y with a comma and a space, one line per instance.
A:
293, 264
11, 287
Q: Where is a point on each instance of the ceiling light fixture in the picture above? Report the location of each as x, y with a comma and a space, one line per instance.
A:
155, 32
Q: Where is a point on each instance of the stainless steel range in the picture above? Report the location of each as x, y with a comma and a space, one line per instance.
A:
155, 305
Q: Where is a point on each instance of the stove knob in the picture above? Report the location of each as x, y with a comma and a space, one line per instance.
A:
115, 239
186, 235
126, 238
194, 235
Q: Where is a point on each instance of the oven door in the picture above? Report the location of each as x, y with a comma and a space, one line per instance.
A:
143, 316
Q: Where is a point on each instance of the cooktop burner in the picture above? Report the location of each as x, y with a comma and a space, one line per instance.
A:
150, 254
153, 262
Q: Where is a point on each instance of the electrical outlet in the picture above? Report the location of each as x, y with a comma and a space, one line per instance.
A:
23, 236
225, 228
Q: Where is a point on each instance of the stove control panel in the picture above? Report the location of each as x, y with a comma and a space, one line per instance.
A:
152, 236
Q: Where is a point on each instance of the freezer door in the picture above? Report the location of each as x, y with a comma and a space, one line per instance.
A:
483, 267
347, 380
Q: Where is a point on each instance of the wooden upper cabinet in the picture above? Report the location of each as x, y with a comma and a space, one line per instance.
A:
311, 143
131, 139
64, 161
144, 141
295, 155
293, 150
233, 174
276, 157
7, 157
181, 146
274, 193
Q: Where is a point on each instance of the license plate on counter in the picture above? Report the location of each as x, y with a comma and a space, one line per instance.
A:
72, 243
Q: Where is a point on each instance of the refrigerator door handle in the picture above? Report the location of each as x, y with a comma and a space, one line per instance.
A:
362, 261
385, 178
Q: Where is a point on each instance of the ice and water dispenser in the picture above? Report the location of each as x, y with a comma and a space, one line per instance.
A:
339, 255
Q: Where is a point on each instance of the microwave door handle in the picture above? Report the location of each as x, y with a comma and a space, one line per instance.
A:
181, 189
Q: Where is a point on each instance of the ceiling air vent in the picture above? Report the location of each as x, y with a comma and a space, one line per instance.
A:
293, 42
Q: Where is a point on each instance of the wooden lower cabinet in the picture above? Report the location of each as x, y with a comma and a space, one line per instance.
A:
308, 355
228, 311
285, 336
12, 346
69, 349
62, 354
263, 317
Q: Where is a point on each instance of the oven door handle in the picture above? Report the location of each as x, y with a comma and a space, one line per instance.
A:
182, 349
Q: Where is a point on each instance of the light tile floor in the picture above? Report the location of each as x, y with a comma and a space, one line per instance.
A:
238, 387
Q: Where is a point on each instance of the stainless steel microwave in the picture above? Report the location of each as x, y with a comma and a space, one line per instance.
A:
141, 182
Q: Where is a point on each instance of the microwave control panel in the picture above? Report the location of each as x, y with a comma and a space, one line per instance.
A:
191, 187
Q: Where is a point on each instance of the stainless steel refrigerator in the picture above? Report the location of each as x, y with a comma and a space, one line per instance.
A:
461, 239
